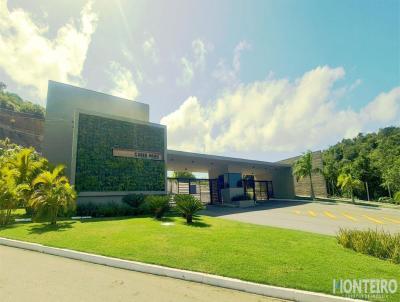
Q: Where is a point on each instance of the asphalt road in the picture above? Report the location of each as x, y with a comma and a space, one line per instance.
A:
32, 276
317, 217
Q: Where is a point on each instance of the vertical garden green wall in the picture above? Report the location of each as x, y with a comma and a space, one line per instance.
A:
97, 170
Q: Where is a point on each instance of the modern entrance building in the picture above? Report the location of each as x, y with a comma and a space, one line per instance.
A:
230, 177
111, 149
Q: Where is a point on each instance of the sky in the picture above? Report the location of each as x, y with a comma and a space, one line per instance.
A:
254, 79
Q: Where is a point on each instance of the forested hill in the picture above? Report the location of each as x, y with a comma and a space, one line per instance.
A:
374, 158
13, 102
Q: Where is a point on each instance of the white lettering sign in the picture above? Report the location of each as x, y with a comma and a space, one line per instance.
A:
118, 152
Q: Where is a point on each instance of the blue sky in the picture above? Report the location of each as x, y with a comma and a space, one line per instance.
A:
271, 60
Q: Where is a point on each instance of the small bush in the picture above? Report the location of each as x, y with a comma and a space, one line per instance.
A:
135, 201
246, 196
396, 197
376, 243
157, 205
108, 209
385, 199
188, 205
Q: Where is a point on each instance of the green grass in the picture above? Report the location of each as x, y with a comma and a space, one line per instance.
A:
249, 252
19, 213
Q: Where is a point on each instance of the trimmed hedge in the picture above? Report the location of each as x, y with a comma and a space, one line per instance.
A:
109, 209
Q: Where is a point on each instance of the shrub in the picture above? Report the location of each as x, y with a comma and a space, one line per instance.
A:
158, 205
188, 205
246, 196
376, 243
135, 201
396, 197
108, 209
385, 199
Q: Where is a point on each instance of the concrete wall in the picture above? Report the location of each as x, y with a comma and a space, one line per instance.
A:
302, 187
282, 181
63, 101
229, 193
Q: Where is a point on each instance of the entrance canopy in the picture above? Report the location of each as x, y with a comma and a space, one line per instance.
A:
280, 174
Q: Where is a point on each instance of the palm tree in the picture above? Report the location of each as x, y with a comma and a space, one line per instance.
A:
348, 183
11, 193
52, 194
188, 205
29, 165
26, 164
303, 168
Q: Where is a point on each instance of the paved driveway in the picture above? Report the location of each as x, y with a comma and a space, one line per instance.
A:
317, 217
32, 276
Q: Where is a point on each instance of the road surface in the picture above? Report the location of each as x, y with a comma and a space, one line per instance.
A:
32, 276
317, 217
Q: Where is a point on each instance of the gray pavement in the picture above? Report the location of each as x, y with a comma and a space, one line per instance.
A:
32, 276
317, 217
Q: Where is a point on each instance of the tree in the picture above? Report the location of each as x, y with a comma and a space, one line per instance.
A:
303, 167
347, 183
188, 205
11, 193
53, 194
28, 164
391, 176
3, 86
183, 174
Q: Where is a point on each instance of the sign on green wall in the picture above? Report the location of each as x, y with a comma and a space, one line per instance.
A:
115, 155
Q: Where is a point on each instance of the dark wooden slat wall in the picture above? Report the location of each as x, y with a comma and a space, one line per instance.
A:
302, 187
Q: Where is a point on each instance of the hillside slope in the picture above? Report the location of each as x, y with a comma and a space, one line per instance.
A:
21, 121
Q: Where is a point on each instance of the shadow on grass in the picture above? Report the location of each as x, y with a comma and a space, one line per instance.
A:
102, 219
166, 219
44, 228
10, 226
198, 223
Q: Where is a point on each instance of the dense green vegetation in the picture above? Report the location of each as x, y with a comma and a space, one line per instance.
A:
97, 170
372, 158
372, 242
250, 252
27, 180
183, 174
14, 102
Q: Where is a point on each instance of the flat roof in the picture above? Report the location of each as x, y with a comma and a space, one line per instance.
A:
172, 154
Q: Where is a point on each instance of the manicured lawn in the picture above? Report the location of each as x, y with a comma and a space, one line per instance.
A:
255, 253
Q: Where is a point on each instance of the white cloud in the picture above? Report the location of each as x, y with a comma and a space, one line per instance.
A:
31, 59
124, 84
196, 63
385, 107
199, 53
187, 73
277, 115
150, 50
228, 75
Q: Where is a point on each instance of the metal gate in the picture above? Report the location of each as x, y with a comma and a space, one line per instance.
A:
199, 188
258, 190
208, 191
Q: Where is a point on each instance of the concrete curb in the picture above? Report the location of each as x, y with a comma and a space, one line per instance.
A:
236, 284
